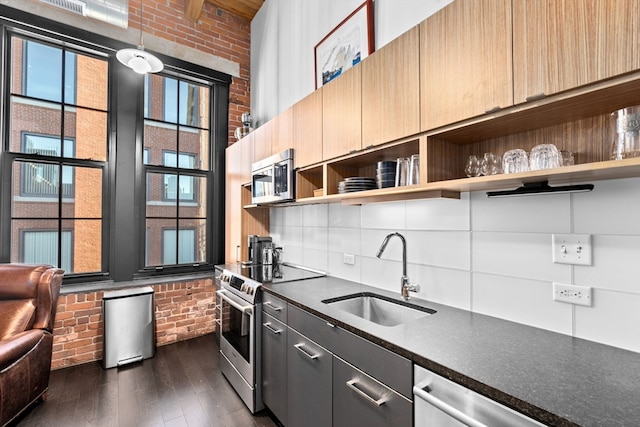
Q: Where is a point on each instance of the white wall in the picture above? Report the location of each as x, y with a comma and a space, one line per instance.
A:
490, 256
285, 32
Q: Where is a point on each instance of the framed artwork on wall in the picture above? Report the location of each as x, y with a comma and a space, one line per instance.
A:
346, 45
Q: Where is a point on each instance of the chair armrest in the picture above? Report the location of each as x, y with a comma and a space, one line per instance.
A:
17, 346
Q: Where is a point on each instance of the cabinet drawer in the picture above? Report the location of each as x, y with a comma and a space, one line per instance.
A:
359, 400
388, 367
274, 366
309, 377
274, 307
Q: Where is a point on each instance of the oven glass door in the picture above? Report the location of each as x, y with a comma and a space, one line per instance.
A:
262, 183
237, 324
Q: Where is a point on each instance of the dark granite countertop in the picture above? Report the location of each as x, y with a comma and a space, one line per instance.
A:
551, 377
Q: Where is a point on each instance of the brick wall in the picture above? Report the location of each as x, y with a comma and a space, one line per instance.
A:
217, 32
183, 310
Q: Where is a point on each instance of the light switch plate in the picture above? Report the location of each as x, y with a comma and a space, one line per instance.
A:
571, 249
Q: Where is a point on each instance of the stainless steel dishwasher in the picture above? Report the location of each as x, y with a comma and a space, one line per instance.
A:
439, 402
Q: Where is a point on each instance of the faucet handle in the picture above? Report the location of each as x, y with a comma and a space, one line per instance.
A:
413, 287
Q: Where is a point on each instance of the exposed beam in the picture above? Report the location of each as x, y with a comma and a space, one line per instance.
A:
193, 9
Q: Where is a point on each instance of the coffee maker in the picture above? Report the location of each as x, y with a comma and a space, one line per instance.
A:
256, 246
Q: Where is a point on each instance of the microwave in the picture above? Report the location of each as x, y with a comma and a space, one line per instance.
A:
272, 178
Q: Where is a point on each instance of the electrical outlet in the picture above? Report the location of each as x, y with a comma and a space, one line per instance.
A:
349, 259
571, 249
572, 294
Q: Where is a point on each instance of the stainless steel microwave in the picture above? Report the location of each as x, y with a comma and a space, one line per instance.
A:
272, 178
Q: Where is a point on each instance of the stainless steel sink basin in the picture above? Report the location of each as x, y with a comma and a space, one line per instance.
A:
379, 309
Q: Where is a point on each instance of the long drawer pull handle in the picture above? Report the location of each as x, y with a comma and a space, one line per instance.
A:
446, 408
273, 307
300, 348
271, 328
353, 385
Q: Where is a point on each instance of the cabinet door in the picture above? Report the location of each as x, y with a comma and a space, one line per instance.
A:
282, 131
307, 130
233, 202
391, 91
465, 61
274, 366
359, 400
559, 45
262, 141
309, 368
342, 114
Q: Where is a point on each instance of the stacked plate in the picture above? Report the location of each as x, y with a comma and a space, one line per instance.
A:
386, 174
357, 183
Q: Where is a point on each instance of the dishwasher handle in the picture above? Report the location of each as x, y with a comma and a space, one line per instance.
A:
423, 394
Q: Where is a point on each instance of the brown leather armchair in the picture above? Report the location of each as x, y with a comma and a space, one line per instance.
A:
28, 300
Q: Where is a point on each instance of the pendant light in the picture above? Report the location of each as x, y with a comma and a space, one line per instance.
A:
139, 60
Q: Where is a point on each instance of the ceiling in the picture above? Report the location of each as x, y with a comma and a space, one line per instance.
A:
244, 8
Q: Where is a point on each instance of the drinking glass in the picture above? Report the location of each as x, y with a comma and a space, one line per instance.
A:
490, 164
473, 167
567, 158
514, 161
544, 156
402, 171
414, 170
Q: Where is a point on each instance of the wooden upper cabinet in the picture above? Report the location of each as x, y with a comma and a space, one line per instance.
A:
559, 45
262, 138
342, 114
391, 90
465, 61
307, 130
282, 131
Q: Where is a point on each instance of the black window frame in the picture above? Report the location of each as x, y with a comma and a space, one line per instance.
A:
123, 234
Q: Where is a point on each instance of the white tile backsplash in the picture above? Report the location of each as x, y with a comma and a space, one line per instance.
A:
438, 214
315, 215
525, 255
344, 216
450, 249
613, 207
344, 240
520, 300
532, 214
442, 285
383, 215
616, 264
492, 256
614, 319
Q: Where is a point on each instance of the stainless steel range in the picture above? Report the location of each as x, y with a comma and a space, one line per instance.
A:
241, 317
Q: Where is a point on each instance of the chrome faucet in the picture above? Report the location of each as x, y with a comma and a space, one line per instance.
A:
405, 286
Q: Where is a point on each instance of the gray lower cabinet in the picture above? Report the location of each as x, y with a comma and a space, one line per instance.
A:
274, 366
360, 400
309, 378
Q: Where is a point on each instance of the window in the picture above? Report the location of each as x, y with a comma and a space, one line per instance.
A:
45, 179
177, 143
186, 190
45, 68
41, 247
57, 155
106, 174
184, 246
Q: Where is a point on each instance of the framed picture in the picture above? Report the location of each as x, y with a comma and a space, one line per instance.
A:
346, 45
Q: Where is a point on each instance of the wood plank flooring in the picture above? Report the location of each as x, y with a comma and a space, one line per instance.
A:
180, 386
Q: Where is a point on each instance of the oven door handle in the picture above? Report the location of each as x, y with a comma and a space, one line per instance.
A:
243, 308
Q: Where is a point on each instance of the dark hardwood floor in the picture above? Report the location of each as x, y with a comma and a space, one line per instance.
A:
180, 386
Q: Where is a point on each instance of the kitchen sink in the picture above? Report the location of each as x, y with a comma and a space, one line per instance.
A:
379, 309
